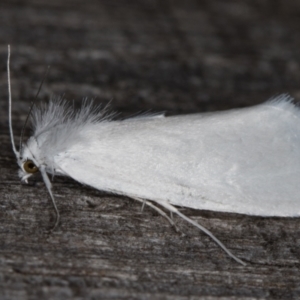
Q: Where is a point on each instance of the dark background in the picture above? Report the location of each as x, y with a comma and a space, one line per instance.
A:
174, 56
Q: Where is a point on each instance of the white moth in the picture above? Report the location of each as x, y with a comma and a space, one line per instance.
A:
243, 161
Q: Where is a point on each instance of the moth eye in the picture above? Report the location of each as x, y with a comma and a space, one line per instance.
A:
30, 167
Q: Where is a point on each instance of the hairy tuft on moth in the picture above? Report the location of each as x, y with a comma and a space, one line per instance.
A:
242, 161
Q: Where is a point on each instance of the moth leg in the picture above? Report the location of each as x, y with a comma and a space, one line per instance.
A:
160, 211
143, 206
48, 186
171, 208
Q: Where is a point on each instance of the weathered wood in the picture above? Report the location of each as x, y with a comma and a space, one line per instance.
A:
175, 56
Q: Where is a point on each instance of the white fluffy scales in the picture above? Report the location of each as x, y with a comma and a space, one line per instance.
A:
243, 160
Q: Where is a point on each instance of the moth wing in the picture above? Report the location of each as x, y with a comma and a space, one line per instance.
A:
244, 161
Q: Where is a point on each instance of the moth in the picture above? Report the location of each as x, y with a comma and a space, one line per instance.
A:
242, 161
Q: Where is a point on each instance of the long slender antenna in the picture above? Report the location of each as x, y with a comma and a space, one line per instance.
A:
9, 105
31, 107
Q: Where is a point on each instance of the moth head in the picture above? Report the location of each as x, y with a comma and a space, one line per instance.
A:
30, 167
27, 162
25, 156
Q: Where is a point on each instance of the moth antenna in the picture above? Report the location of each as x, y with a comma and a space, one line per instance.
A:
31, 107
203, 229
49, 186
10, 104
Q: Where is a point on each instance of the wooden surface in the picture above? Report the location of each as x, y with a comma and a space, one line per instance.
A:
174, 56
